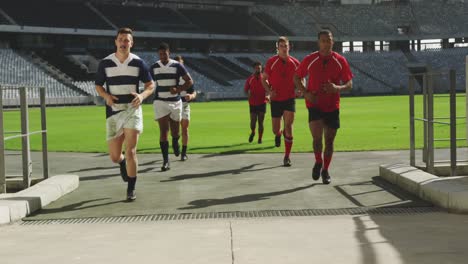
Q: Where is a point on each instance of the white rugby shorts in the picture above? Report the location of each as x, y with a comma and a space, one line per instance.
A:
131, 118
164, 108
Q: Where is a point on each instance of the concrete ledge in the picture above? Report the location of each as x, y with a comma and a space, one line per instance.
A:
15, 206
449, 192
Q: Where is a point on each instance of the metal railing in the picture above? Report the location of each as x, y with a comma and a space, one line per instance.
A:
429, 120
24, 135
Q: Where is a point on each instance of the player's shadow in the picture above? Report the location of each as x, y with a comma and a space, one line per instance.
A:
102, 155
221, 147
203, 203
94, 168
217, 173
76, 206
236, 151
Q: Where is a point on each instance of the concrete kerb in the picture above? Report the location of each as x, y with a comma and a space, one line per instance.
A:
450, 193
15, 206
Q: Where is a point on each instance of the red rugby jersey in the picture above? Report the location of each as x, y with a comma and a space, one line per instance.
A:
280, 76
257, 92
333, 68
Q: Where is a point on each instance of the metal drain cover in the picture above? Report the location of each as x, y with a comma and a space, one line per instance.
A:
239, 214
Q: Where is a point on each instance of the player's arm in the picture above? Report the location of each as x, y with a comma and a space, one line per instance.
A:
266, 85
299, 83
139, 98
109, 98
191, 94
188, 83
333, 88
247, 88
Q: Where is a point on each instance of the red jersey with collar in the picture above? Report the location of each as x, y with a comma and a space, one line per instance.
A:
333, 68
280, 77
257, 92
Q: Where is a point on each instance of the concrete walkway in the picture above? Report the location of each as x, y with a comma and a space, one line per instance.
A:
234, 183
410, 239
213, 183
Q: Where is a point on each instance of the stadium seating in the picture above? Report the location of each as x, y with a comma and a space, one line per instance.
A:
146, 18
15, 70
50, 13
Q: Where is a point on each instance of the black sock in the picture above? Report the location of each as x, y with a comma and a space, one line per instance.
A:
164, 150
131, 183
184, 150
175, 141
123, 163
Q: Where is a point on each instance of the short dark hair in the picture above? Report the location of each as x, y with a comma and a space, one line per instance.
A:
178, 58
324, 32
124, 30
256, 63
163, 46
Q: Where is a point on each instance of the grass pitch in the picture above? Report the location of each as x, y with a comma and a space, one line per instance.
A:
367, 123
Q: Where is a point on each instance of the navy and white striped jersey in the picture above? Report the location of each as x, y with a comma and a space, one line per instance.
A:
165, 77
121, 79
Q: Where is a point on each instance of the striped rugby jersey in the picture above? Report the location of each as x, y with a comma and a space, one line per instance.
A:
121, 79
165, 77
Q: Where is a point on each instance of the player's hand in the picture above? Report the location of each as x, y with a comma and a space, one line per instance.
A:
188, 97
110, 99
330, 87
267, 98
272, 94
174, 90
138, 100
299, 93
311, 97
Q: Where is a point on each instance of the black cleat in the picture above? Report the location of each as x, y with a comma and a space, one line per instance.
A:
131, 195
326, 177
251, 137
316, 171
278, 141
259, 141
286, 162
176, 147
165, 166
123, 171
183, 157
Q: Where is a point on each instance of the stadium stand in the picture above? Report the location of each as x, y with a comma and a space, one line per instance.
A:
244, 24
442, 60
220, 75
15, 70
51, 13
147, 18
297, 20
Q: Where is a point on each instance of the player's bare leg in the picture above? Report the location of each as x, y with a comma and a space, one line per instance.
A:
288, 118
330, 135
184, 123
276, 125
174, 126
261, 118
131, 141
316, 129
115, 154
253, 122
163, 143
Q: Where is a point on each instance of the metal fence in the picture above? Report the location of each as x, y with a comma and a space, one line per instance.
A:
429, 81
24, 134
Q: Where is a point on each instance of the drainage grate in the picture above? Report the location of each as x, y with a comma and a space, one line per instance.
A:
237, 215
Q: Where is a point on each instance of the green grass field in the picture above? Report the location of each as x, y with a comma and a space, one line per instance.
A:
367, 123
